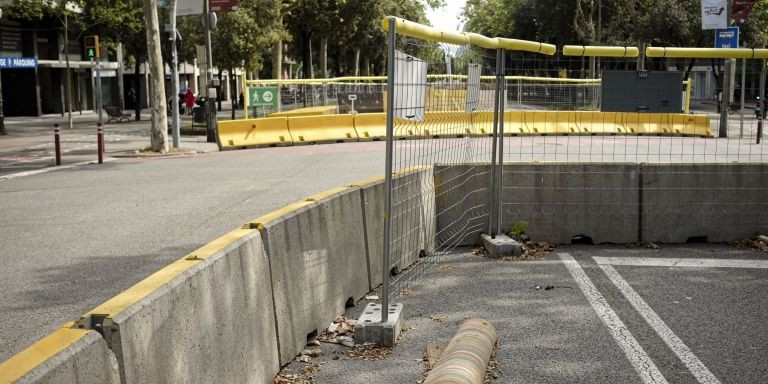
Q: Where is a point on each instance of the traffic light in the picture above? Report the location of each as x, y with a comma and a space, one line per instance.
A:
92, 47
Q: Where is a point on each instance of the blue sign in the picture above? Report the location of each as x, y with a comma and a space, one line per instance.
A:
18, 62
727, 37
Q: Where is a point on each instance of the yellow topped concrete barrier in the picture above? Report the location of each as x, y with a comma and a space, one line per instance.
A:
707, 53
598, 51
425, 32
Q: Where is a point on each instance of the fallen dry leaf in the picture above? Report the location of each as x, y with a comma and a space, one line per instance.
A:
532, 250
446, 268
369, 352
756, 245
406, 292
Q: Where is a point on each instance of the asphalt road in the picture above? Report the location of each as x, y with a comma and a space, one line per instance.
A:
708, 327
73, 238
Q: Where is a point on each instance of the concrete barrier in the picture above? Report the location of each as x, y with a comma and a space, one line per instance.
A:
716, 202
208, 317
318, 263
319, 129
461, 203
269, 132
559, 201
65, 356
413, 222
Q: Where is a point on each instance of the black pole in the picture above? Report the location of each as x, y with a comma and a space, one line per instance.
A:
2, 114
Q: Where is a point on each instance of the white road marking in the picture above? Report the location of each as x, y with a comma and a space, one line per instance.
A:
49, 169
697, 368
640, 360
681, 262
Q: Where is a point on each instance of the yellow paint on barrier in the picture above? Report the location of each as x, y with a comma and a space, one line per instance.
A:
144, 288
268, 132
38, 353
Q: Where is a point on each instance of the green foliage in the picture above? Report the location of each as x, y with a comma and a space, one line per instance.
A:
242, 35
627, 22
518, 229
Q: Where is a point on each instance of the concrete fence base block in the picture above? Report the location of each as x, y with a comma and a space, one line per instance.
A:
501, 245
370, 329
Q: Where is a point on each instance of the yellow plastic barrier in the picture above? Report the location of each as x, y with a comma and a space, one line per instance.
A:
602, 123
268, 132
371, 126
439, 100
698, 125
482, 123
309, 111
318, 129
549, 122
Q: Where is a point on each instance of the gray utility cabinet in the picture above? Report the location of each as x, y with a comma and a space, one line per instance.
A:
641, 91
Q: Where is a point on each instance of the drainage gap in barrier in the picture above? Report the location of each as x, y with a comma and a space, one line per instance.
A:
394, 271
697, 240
582, 239
350, 303
312, 336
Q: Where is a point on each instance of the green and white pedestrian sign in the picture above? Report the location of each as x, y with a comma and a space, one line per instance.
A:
262, 97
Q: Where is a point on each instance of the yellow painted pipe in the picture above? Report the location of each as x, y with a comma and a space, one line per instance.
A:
525, 45
688, 89
483, 41
600, 51
425, 32
707, 53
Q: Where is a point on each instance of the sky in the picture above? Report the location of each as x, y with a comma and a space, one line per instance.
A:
446, 18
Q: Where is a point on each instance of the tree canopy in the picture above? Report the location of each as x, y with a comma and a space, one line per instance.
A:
626, 22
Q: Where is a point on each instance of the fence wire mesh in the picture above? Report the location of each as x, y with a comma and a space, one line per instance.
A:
444, 101
658, 150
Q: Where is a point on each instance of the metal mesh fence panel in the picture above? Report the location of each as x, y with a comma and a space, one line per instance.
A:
655, 162
445, 110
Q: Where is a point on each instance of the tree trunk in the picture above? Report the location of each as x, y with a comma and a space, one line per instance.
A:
311, 67
357, 61
324, 57
159, 132
277, 55
120, 70
137, 89
366, 66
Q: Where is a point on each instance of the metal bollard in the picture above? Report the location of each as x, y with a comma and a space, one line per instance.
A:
100, 139
57, 143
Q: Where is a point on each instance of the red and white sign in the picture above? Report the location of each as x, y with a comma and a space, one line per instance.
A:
222, 5
741, 9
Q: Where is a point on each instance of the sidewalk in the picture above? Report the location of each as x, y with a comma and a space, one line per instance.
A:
29, 145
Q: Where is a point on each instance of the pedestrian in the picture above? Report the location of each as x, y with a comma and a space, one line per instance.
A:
132, 97
190, 99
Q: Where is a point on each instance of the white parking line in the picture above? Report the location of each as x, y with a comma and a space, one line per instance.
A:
681, 262
49, 169
697, 368
640, 360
